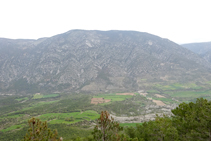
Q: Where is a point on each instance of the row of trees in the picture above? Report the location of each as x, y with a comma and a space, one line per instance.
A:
189, 122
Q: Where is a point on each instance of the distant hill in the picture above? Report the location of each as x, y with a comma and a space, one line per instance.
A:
203, 49
96, 61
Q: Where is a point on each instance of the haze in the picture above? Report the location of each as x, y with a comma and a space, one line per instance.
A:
180, 21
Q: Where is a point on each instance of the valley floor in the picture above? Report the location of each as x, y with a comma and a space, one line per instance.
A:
79, 111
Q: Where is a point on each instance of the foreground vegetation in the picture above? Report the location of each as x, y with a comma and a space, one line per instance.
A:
189, 122
74, 116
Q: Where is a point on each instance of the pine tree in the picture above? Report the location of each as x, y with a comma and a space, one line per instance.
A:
106, 129
161, 129
39, 131
193, 120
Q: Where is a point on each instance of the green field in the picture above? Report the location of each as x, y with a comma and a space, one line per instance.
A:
50, 95
129, 124
15, 116
58, 121
31, 106
58, 118
38, 96
69, 118
177, 86
136, 93
153, 91
21, 99
191, 94
57, 115
13, 127
113, 97
165, 100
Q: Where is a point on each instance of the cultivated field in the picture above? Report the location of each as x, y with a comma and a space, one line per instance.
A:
69, 118
159, 103
114, 97
160, 96
125, 94
99, 100
105, 98
39, 95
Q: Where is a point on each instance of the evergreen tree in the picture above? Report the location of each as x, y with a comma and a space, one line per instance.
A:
193, 120
39, 131
106, 129
161, 129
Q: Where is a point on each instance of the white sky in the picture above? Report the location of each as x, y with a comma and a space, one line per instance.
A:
181, 21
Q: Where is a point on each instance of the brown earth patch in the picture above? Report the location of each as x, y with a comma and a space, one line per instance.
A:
160, 96
125, 94
159, 103
99, 100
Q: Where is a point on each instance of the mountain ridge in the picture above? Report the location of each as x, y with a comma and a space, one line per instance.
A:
94, 61
203, 49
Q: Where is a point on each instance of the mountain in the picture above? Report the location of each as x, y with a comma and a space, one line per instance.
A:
96, 61
203, 49
199, 48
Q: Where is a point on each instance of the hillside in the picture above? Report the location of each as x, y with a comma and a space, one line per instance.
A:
96, 61
203, 49
199, 48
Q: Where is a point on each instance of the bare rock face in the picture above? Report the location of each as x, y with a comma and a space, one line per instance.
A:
94, 61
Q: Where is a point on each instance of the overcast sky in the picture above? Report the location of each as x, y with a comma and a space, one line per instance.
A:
182, 21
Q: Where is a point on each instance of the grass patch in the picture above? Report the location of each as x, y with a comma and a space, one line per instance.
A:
38, 96
90, 115
178, 86
103, 104
129, 124
14, 116
165, 100
21, 99
153, 91
192, 94
38, 104
113, 97
50, 95
136, 93
13, 127
49, 116
193, 86
57, 121
69, 118
45, 102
